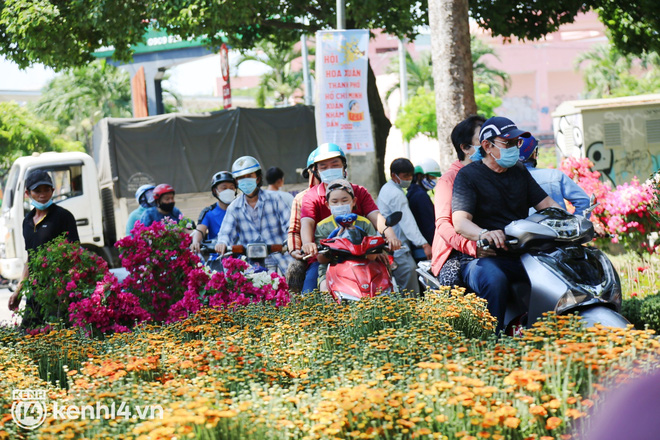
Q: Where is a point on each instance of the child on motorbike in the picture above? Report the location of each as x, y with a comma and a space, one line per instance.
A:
340, 199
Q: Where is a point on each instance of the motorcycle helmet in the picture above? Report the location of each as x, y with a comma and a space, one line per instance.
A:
161, 189
144, 196
310, 163
245, 165
222, 176
328, 151
527, 148
428, 166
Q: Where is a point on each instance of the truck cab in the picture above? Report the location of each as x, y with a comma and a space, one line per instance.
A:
76, 189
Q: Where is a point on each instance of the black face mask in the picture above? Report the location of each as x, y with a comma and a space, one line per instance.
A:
167, 207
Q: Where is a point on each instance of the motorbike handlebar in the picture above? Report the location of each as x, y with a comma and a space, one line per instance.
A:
485, 244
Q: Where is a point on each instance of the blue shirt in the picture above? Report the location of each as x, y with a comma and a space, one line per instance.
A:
213, 220
559, 187
422, 209
133, 218
153, 215
267, 222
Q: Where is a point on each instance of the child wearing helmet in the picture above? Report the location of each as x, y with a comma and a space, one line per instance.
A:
223, 188
255, 216
164, 199
145, 198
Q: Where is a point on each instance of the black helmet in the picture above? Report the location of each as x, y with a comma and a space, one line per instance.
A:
222, 176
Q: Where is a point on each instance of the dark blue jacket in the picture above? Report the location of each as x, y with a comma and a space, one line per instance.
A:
423, 210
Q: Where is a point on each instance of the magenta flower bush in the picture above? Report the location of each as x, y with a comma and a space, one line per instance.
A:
626, 214
166, 282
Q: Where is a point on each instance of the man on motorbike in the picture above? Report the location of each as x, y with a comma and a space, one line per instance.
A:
391, 198
329, 165
340, 199
164, 198
255, 216
557, 184
223, 188
488, 195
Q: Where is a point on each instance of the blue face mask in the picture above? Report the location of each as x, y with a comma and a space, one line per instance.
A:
476, 156
508, 157
247, 185
331, 174
428, 184
41, 206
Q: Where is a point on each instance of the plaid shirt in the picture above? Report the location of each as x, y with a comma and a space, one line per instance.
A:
294, 242
238, 226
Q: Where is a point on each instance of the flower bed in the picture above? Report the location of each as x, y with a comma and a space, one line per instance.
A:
381, 368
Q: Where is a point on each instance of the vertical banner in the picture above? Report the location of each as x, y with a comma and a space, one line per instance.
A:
342, 113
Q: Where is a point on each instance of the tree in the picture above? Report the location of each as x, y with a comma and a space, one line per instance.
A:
607, 72
80, 97
497, 81
23, 133
281, 81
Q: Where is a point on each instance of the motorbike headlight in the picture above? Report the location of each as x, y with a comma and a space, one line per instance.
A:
566, 228
568, 300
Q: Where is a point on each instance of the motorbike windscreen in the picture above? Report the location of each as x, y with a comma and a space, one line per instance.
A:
354, 235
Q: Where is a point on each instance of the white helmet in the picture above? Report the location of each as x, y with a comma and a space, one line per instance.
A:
245, 165
428, 166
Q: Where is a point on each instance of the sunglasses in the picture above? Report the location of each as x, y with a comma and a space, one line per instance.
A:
511, 143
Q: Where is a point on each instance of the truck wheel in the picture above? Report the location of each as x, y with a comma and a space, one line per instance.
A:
109, 229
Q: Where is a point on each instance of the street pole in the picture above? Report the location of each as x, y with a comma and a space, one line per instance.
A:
307, 80
341, 15
403, 84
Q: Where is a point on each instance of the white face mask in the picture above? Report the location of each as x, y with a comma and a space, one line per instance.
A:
338, 210
404, 183
227, 196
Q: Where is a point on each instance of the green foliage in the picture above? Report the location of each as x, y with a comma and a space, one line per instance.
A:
281, 81
419, 73
22, 133
418, 116
486, 101
633, 25
643, 312
80, 97
607, 73
497, 80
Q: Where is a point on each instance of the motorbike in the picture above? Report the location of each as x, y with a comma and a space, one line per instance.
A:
351, 275
565, 275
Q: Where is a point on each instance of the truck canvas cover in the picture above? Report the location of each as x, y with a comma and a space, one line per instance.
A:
185, 150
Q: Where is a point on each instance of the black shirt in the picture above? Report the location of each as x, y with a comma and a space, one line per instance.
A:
495, 199
57, 221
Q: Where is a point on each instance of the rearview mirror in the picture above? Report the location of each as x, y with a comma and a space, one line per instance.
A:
393, 218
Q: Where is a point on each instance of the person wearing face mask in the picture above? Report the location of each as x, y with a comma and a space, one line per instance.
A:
329, 165
164, 199
427, 171
223, 188
340, 199
450, 248
255, 216
145, 198
45, 222
391, 198
488, 195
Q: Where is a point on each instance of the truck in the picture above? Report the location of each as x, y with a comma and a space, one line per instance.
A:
621, 136
180, 149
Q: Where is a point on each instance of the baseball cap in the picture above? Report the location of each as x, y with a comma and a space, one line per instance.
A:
36, 178
502, 127
339, 184
527, 148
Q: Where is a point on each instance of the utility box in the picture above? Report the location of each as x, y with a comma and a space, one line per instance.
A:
621, 136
